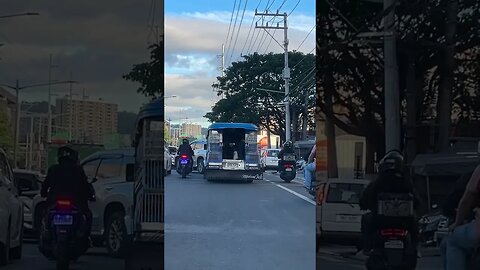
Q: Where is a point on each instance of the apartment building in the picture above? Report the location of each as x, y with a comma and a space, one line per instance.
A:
85, 120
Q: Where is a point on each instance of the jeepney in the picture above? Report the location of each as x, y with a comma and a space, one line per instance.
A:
232, 152
147, 211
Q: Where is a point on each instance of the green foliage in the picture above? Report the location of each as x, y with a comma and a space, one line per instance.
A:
150, 75
244, 102
6, 138
354, 72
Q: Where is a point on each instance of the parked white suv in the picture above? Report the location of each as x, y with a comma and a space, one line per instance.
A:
269, 159
338, 209
112, 175
11, 214
200, 150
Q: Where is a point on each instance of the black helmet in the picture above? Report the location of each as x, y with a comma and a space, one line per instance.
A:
391, 162
185, 141
67, 153
288, 144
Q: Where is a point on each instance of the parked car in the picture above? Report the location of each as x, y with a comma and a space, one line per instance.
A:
269, 159
11, 214
167, 160
200, 150
173, 153
112, 174
30, 185
338, 209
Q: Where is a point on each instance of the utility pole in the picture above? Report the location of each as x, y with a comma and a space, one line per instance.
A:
70, 124
286, 70
392, 103
222, 64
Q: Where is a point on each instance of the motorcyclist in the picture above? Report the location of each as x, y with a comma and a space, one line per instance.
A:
185, 149
391, 179
287, 149
68, 180
464, 234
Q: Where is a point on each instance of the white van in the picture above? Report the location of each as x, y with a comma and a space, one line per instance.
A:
338, 209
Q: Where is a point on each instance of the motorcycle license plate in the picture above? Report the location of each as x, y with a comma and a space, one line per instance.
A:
288, 169
63, 220
183, 161
395, 244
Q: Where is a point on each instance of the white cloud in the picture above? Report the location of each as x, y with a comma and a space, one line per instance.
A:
192, 43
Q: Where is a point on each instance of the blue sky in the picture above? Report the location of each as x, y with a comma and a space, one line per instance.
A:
181, 6
194, 34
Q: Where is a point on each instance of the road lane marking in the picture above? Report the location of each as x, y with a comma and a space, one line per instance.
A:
294, 193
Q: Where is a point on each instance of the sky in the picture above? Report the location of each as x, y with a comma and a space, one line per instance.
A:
98, 41
194, 34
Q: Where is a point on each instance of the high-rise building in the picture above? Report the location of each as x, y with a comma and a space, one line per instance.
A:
85, 120
191, 130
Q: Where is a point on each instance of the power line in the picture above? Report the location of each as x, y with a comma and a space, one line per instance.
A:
234, 26
296, 5
305, 38
231, 19
239, 28
303, 58
250, 30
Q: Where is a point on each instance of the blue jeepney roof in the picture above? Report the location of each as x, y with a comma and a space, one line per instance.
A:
154, 108
246, 126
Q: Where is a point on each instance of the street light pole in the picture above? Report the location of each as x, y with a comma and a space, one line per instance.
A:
49, 124
17, 89
17, 123
19, 14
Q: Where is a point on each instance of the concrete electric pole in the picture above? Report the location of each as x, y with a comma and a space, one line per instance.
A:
392, 103
286, 70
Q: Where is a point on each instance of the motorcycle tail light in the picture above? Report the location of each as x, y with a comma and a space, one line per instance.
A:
288, 166
64, 204
393, 232
184, 156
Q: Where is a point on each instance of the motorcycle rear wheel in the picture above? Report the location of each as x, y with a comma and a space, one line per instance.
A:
63, 259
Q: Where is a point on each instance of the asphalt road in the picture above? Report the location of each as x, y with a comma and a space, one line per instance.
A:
333, 257
96, 258
267, 224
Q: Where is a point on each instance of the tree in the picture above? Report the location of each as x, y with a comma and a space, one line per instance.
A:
357, 73
243, 100
150, 75
6, 138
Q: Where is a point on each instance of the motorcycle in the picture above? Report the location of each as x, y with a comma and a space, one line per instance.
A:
64, 233
393, 246
288, 169
184, 166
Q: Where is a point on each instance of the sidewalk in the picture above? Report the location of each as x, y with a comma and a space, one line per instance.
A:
425, 252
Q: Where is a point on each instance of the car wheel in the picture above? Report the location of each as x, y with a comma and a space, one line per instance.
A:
16, 252
116, 235
200, 165
5, 249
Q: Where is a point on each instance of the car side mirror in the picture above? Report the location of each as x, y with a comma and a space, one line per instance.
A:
93, 180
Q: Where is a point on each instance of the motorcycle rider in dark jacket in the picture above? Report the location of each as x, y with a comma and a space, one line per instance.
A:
185, 149
68, 180
391, 179
287, 149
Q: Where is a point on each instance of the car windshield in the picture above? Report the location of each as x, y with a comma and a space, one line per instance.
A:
273, 153
345, 193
